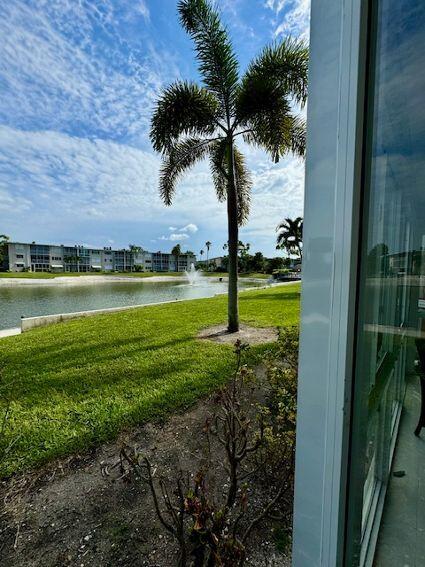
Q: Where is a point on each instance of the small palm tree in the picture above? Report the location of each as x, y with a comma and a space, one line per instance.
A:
176, 252
194, 122
290, 236
68, 260
4, 240
208, 246
135, 250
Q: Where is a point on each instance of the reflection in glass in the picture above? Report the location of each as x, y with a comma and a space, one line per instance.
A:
390, 340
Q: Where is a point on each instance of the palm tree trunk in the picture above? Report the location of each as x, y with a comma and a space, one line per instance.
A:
233, 228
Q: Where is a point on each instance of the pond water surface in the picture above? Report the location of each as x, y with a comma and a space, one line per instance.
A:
34, 300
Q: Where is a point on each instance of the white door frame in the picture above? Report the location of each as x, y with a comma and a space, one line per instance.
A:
338, 47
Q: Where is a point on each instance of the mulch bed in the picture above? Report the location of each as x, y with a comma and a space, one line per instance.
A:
83, 511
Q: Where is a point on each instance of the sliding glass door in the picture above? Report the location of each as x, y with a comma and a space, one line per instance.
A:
390, 319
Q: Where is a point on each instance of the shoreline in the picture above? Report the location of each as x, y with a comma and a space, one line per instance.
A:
29, 323
84, 280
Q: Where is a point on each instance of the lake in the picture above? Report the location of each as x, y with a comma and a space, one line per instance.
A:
34, 300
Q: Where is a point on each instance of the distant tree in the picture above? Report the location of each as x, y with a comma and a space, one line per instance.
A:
290, 236
78, 260
243, 251
73, 260
257, 263
201, 254
68, 259
208, 246
176, 252
277, 263
4, 240
135, 250
194, 122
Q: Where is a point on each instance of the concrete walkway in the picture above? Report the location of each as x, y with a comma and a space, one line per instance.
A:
401, 541
10, 332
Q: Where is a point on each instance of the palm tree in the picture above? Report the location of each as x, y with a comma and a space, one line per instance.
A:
192, 122
290, 236
176, 252
68, 259
4, 240
208, 246
135, 250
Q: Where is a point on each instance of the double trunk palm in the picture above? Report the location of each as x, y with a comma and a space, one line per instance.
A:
194, 122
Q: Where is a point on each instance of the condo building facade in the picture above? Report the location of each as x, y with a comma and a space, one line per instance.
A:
23, 257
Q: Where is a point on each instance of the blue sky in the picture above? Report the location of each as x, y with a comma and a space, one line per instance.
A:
78, 80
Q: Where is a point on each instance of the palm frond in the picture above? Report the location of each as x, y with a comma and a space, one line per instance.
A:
218, 64
277, 132
181, 157
290, 234
286, 65
219, 156
183, 109
243, 187
219, 169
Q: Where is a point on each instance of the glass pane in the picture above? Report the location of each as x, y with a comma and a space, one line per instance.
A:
391, 330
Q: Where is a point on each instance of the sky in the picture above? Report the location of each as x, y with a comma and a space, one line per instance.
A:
78, 82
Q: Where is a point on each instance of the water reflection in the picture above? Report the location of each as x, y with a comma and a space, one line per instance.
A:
387, 477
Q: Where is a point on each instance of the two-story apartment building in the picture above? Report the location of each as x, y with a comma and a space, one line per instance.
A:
34, 257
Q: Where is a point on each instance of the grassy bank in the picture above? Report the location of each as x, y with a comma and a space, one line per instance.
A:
75, 384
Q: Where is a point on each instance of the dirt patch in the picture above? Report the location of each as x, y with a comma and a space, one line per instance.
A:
84, 511
246, 334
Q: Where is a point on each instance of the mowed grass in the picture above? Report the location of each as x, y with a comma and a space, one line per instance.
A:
76, 384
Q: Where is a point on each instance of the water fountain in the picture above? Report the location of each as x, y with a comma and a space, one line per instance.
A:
192, 275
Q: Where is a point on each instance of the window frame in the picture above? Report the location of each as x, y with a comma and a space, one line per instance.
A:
336, 109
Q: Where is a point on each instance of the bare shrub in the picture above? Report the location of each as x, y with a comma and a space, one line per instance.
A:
251, 433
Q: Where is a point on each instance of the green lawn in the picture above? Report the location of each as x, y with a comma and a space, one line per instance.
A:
75, 384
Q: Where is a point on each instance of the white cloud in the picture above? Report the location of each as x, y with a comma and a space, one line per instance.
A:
190, 228
10, 203
93, 177
67, 65
60, 180
57, 176
292, 17
278, 192
175, 237
143, 9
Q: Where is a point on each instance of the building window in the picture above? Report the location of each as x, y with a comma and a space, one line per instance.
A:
389, 389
